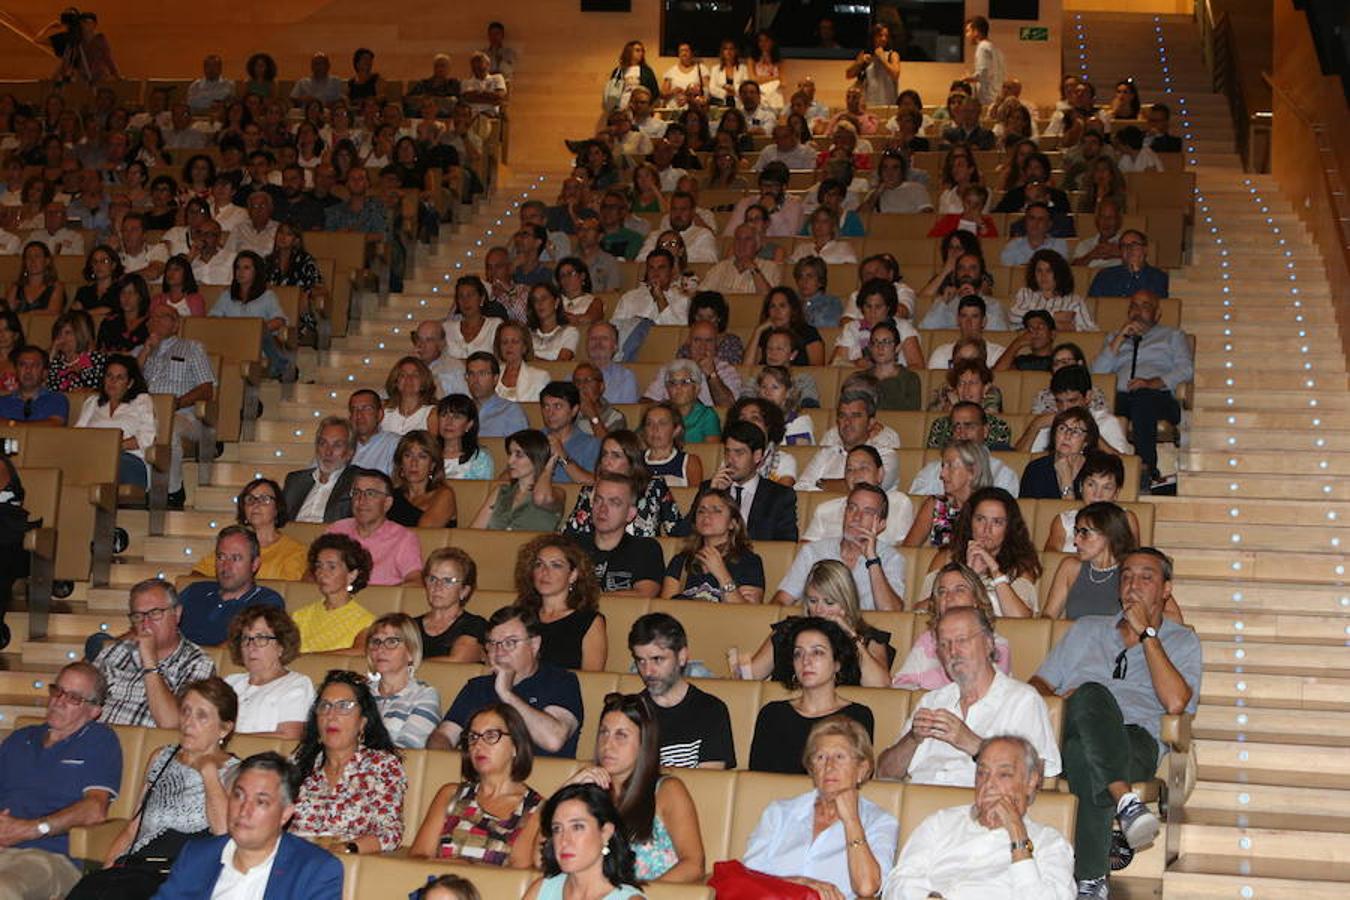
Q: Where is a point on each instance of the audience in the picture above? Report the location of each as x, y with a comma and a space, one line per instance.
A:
323, 493
1088, 583
411, 405
31, 402
862, 465
462, 456
964, 469
1134, 274
662, 431
586, 850
878, 570
261, 507
410, 708
272, 700
177, 366
1051, 477
768, 508
855, 425
491, 816
1099, 481
497, 416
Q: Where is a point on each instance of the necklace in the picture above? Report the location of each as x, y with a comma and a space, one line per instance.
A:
1109, 571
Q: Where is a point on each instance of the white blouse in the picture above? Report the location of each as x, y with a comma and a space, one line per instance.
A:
836, 252
400, 424
577, 305
550, 346
134, 418
529, 383
263, 707
457, 347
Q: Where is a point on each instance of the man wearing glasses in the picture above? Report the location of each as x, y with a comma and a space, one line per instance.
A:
1119, 675
210, 606
147, 668
394, 549
1134, 274
31, 403
211, 264
547, 697
56, 776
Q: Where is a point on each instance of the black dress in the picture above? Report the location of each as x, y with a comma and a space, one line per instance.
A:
562, 639
403, 512
1039, 480
781, 732
89, 299
441, 644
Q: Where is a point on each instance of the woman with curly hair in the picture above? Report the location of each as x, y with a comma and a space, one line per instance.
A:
823, 657
992, 538
555, 580
341, 569
272, 699
718, 562
411, 389
353, 782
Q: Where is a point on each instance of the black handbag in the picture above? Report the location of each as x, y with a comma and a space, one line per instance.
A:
137, 876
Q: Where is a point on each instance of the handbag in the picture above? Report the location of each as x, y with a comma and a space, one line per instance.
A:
731, 880
613, 91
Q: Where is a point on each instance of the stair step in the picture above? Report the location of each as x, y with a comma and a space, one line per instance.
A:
1243, 462
1302, 726
1252, 536
1287, 765
1258, 596
1288, 488
1245, 511
1252, 625
1286, 691
1265, 847
1268, 806
1275, 659
1206, 885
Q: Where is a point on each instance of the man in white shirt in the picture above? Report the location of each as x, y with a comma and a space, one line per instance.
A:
1038, 220
429, 343
663, 158
990, 850
322, 493
969, 423
624, 138
990, 69
1103, 248
745, 272
485, 91
211, 264
210, 88
878, 569
640, 108
258, 231
374, 447
945, 732
138, 257
318, 85
655, 299
223, 208
788, 149
863, 465
759, 119
700, 244
855, 424
970, 320
60, 240
256, 858
1072, 386
501, 59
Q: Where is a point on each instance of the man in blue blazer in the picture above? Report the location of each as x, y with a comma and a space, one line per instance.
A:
256, 859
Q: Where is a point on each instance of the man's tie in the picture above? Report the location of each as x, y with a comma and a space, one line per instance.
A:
736, 491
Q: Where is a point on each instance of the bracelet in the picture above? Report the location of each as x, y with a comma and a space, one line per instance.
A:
729, 587
1002, 579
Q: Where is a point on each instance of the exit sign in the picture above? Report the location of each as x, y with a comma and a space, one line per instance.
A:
1033, 33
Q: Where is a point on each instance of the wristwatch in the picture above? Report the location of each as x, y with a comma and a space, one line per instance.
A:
874, 561
729, 587
595, 420
44, 828
352, 847
1147, 634
1024, 844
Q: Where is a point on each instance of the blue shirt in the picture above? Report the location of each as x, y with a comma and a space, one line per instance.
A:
207, 616
36, 781
377, 453
582, 449
47, 404
1089, 651
1018, 251
265, 306
548, 686
620, 384
1119, 281
824, 310
942, 314
1163, 353
499, 417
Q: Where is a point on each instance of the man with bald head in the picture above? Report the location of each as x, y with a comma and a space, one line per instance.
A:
745, 272
1102, 250
429, 344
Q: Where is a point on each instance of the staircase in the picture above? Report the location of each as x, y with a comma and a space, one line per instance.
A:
1258, 526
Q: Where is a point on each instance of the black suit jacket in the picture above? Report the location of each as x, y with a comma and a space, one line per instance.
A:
773, 513
301, 482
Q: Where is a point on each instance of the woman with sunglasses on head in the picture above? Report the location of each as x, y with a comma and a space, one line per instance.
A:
491, 815
718, 562
351, 796
657, 812
409, 707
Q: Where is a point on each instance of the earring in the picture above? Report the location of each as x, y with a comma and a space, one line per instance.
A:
606, 850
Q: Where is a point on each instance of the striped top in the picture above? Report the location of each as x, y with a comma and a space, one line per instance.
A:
410, 715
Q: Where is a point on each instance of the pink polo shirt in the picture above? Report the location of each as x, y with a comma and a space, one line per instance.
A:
394, 549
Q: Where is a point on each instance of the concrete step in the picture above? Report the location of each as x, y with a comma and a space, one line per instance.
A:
1300, 726
1179, 881
1274, 658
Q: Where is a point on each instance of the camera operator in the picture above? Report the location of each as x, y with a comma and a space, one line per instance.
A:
84, 51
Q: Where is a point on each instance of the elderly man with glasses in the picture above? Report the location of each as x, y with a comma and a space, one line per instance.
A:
56, 776
394, 549
148, 666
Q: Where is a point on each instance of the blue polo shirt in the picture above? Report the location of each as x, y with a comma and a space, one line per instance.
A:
548, 686
45, 405
583, 449
206, 616
36, 781
1119, 281
499, 417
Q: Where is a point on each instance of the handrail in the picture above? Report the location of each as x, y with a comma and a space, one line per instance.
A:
1302, 114
1220, 49
9, 22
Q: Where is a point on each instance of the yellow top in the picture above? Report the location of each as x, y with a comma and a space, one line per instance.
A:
323, 630
286, 559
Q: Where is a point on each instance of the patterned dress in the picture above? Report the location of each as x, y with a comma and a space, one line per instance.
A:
944, 521
657, 512
177, 801
470, 832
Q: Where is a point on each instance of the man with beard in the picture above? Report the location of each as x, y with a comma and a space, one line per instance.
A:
694, 725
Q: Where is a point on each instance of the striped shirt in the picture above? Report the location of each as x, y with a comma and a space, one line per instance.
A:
410, 715
1026, 300
121, 665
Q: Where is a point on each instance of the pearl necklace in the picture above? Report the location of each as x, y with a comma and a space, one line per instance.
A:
1109, 570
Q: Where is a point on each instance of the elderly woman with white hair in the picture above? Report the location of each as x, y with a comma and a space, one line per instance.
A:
410, 708
684, 378
831, 838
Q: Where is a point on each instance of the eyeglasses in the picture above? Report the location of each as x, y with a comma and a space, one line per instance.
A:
507, 644
257, 640
1074, 430
341, 707
153, 615
61, 695
490, 737
679, 382
882, 342
389, 643
1084, 531
259, 500
367, 493
436, 581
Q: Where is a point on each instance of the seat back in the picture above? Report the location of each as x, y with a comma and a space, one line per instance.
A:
713, 629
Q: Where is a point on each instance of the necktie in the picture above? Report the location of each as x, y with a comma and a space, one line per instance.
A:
736, 492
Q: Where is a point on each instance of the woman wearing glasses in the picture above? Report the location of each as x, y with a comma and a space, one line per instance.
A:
447, 629
260, 506
272, 699
410, 708
341, 568
351, 796
1088, 583
491, 816
683, 380
1051, 477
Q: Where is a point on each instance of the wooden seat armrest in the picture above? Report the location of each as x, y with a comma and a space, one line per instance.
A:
91, 842
1176, 732
103, 495
41, 541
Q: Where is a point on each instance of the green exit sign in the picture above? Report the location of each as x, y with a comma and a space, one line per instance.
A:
1033, 33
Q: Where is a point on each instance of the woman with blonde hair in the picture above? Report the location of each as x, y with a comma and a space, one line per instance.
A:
422, 497
718, 561
411, 389
965, 469
520, 382
830, 593
447, 629
410, 708
956, 585
555, 580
